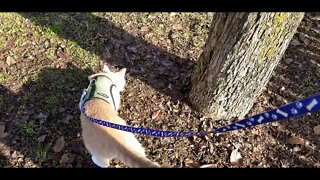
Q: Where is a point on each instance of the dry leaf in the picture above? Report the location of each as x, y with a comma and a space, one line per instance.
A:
235, 157
190, 163
67, 119
177, 27
135, 122
172, 14
316, 130
209, 166
296, 149
132, 49
2, 133
144, 29
166, 165
288, 60
58, 146
41, 138
295, 140
10, 60
155, 114
62, 54
295, 42
41, 116
64, 159
317, 18
151, 16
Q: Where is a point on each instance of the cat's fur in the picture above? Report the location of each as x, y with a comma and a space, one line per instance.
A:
105, 143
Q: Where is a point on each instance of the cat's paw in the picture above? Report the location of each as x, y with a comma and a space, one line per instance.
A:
97, 162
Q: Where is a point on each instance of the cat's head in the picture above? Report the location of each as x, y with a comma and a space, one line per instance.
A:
118, 78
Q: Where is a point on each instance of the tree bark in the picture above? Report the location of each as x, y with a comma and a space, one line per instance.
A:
238, 59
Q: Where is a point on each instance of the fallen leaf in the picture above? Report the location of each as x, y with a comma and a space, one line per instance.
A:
317, 18
177, 27
67, 119
296, 149
209, 166
41, 116
151, 16
310, 146
175, 35
295, 140
282, 88
10, 60
41, 138
295, 42
14, 154
6, 152
289, 60
235, 157
64, 159
60, 110
2, 133
135, 122
58, 146
167, 63
132, 49
316, 130
61, 54
155, 114
173, 14
166, 165
190, 163
24, 118
144, 29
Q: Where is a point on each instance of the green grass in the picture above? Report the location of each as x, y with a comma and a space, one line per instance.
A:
28, 129
157, 31
2, 78
41, 151
52, 101
52, 29
35, 35
76, 51
35, 20
2, 41
50, 53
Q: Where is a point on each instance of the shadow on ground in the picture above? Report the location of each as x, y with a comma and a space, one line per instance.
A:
39, 113
165, 72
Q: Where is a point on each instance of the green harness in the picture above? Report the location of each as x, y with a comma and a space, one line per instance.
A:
102, 87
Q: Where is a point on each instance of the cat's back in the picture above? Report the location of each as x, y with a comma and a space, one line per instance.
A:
101, 137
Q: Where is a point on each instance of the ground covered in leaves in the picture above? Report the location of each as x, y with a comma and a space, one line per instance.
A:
45, 59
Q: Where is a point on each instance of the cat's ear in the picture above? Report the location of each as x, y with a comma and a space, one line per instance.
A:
122, 72
105, 68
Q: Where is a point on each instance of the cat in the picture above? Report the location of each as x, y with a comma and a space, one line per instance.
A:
103, 143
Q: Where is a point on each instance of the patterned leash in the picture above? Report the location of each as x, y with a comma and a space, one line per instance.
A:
297, 108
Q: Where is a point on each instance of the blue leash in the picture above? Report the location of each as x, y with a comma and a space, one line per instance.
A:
297, 108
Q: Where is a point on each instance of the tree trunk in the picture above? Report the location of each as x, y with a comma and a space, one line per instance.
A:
238, 59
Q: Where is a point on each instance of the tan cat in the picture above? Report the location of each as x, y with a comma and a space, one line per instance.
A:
105, 143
